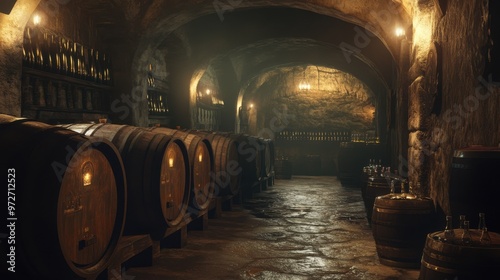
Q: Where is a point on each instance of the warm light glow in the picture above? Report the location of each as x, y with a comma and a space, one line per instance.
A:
88, 173
171, 162
200, 158
208, 92
37, 19
251, 105
304, 86
400, 32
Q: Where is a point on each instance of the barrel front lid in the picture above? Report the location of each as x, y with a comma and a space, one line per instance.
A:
477, 151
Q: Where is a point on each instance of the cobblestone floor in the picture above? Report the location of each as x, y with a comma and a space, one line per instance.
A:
304, 228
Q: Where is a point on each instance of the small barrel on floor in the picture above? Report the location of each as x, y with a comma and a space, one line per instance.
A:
453, 260
400, 227
70, 199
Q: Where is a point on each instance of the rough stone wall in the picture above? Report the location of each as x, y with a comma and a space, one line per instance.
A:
11, 54
336, 101
458, 110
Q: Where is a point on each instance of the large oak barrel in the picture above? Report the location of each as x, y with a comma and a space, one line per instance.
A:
350, 161
226, 162
201, 159
452, 260
68, 200
375, 186
251, 158
474, 185
283, 168
158, 175
400, 227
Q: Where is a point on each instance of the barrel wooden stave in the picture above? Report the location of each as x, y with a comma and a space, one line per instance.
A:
228, 172
473, 186
158, 198
77, 225
400, 227
449, 260
375, 187
201, 161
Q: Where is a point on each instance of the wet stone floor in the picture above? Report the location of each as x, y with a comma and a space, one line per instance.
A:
304, 228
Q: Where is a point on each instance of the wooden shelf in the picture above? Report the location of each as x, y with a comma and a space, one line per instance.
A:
65, 78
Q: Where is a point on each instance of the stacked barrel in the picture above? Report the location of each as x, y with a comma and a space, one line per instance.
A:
70, 199
81, 188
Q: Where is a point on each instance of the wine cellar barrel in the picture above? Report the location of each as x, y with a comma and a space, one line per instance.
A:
201, 159
250, 158
158, 175
474, 186
283, 168
375, 186
70, 201
226, 162
400, 227
452, 260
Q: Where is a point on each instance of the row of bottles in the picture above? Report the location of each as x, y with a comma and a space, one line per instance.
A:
343, 136
53, 53
364, 138
207, 119
157, 102
47, 93
463, 235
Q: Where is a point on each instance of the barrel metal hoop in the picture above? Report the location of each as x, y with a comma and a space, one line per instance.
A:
438, 268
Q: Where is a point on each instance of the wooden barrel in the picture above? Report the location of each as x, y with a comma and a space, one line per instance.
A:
158, 175
351, 159
283, 168
400, 227
250, 158
375, 186
228, 172
272, 150
474, 186
452, 260
201, 159
70, 199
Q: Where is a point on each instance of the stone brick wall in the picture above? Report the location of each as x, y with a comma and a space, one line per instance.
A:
455, 107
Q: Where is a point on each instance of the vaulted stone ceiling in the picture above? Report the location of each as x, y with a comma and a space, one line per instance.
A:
208, 29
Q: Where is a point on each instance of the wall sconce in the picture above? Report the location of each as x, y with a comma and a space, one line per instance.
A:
37, 19
87, 173
400, 32
304, 86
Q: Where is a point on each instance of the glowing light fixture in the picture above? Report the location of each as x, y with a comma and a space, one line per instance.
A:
88, 173
251, 105
200, 158
37, 19
304, 85
208, 92
171, 162
400, 32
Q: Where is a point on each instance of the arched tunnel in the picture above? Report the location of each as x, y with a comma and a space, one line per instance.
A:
286, 100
